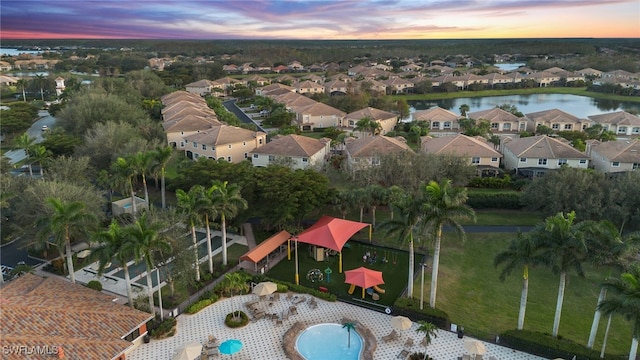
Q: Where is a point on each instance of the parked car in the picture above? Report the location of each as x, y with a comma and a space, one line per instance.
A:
45, 127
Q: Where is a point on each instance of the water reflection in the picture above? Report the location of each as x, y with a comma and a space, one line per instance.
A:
580, 106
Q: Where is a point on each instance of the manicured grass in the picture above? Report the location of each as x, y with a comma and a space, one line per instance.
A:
506, 218
470, 291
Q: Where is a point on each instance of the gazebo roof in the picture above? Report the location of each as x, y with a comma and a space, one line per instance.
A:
330, 232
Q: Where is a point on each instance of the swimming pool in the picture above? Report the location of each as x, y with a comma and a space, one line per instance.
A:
329, 342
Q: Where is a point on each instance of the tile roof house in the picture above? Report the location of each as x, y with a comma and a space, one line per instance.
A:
309, 87
614, 156
200, 87
387, 120
441, 121
476, 149
336, 87
398, 85
622, 123
502, 121
365, 152
226, 142
557, 120
47, 314
317, 115
296, 151
183, 126
533, 156
265, 90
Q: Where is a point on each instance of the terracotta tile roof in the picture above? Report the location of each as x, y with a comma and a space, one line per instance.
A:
495, 114
200, 83
616, 118
624, 151
292, 145
190, 110
543, 147
460, 145
276, 86
370, 146
179, 96
221, 135
553, 115
435, 114
179, 106
50, 312
190, 123
373, 113
319, 109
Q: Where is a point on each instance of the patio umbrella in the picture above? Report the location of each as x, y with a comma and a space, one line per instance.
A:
230, 347
401, 322
363, 277
265, 288
83, 254
188, 351
475, 347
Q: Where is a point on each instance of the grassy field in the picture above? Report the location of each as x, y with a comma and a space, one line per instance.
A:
471, 292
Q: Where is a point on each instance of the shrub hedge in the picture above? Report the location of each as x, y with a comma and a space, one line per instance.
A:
199, 305
95, 285
232, 323
166, 328
411, 309
506, 200
491, 182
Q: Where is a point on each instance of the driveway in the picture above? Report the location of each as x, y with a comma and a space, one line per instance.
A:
233, 108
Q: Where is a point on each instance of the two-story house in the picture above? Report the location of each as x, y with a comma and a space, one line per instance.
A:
622, 123
614, 156
535, 155
295, 151
229, 143
387, 120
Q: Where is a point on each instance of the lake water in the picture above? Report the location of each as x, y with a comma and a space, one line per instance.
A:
580, 106
508, 66
15, 52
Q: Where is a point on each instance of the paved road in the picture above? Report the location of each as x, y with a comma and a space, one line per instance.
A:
35, 131
231, 106
15, 252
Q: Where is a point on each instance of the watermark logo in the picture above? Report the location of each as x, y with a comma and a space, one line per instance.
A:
46, 350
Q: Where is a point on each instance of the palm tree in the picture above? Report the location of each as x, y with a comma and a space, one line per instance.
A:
235, 282
342, 202
227, 202
112, 244
68, 221
349, 326
22, 83
25, 142
404, 226
361, 199
378, 196
563, 247
190, 204
141, 163
443, 205
625, 301
464, 108
143, 238
124, 172
608, 248
162, 156
208, 212
430, 332
521, 253
40, 154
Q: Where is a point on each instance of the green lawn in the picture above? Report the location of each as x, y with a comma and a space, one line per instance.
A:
471, 292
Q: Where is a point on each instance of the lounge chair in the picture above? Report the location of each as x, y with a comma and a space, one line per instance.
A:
403, 354
299, 300
392, 336
289, 296
293, 310
257, 316
276, 297
312, 303
466, 357
478, 357
409, 343
423, 343
212, 339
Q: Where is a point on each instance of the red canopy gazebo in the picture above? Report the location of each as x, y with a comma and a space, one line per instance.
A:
331, 233
363, 277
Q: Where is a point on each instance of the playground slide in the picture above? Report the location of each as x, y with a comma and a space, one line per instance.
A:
378, 290
352, 288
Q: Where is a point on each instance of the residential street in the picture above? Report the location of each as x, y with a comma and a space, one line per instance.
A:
35, 131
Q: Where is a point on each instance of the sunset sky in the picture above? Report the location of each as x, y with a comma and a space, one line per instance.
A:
318, 20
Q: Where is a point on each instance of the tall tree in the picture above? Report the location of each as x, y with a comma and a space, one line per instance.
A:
142, 163
191, 203
26, 142
625, 301
162, 156
521, 253
378, 196
404, 224
208, 212
464, 108
40, 154
227, 202
443, 205
124, 173
563, 248
111, 244
144, 237
68, 221
430, 332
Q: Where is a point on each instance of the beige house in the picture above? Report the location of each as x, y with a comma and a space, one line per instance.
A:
317, 115
543, 78
365, 152
309, 87
387, 120
177, 129
533, 156
398, 85
229, 143
479, 152
263, 91
557, 120
336, 87
501, 121
200, 87
441, 121
295, 151
622, 123
614, 156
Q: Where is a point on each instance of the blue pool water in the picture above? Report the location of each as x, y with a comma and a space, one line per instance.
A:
328, 342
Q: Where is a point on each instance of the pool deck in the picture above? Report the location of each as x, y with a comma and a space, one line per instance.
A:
263, 339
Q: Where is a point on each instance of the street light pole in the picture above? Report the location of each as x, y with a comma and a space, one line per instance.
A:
159, 294
296, 249
422, 286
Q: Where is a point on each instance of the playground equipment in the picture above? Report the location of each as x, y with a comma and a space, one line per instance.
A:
315, 275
